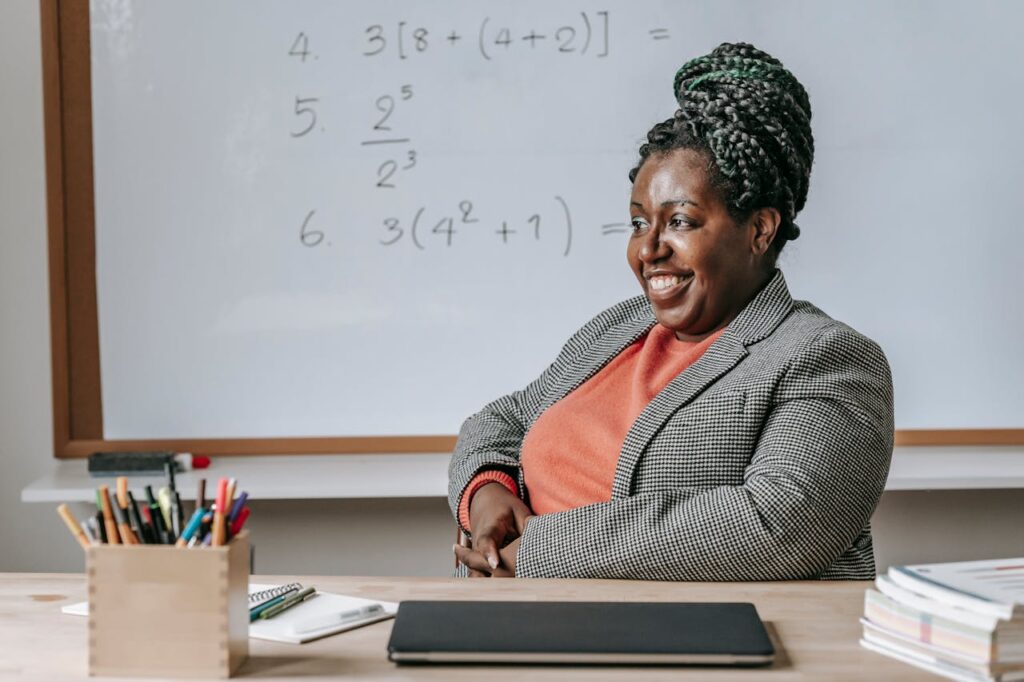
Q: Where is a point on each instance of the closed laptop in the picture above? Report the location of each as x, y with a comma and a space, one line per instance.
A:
649, 633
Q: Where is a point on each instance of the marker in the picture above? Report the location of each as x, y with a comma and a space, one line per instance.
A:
236, 525
176, 513
232, 489
101, 528
218, 513
169, 467
237, 506
122, 492
193, 525
164, 498
108, 516
156, 517
87, 530
73, 526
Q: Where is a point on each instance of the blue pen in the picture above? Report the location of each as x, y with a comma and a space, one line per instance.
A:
192, 527
237, 506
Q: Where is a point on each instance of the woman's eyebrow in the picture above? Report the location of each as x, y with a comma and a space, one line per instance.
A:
670, 202
679, 202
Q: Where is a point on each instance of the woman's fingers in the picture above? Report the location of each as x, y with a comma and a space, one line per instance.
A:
473, 560
486, 545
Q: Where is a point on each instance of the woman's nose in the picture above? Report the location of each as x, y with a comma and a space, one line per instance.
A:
653, 247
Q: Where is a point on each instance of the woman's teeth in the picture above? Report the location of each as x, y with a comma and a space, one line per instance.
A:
664, 282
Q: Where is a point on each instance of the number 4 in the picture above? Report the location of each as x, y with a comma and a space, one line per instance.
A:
297, 51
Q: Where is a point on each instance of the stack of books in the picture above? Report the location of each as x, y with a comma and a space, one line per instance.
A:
963, 620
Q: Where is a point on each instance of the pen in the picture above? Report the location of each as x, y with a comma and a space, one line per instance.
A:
255, 612
289, 602
73, 526
108, 516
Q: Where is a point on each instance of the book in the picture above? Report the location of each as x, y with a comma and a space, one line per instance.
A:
953, 672
962, 620
992, 587
912, 622
902, 595
882, 636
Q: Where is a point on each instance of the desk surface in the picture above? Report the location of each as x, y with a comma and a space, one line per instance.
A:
814, 626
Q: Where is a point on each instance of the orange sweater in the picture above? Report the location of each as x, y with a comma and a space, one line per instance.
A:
570, 454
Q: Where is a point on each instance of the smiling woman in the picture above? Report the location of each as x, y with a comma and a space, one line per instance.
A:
712, 428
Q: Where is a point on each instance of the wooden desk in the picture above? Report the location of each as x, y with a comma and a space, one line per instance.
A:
814, 625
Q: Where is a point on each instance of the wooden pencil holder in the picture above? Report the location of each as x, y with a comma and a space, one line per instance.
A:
161, 611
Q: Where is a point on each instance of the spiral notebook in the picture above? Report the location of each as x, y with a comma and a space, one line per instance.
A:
293, 626
259, 596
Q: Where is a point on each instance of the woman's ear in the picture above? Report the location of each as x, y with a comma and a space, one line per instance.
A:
764, 225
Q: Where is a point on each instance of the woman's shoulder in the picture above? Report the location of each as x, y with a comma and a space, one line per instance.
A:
810, 333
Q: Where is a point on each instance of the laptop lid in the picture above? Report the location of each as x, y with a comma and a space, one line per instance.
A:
652, 633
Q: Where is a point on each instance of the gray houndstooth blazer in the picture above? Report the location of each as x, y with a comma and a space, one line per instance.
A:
764, 460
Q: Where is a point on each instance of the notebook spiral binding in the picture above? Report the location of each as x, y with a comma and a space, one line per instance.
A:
257, 598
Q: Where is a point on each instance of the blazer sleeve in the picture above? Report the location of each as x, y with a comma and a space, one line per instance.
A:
815, 477
491, 438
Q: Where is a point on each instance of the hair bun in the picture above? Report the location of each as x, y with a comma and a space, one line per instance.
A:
794, 232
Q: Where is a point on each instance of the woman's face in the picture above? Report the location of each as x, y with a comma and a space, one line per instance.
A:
696, 265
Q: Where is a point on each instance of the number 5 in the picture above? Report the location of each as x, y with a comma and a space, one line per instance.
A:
301, 110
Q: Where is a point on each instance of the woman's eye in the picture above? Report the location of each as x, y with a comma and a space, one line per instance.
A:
639, 224
679, 221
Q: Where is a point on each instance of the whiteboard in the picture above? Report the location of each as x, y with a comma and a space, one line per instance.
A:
335, 218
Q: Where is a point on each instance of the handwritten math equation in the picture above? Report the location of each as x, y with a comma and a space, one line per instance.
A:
393, 148
582, 34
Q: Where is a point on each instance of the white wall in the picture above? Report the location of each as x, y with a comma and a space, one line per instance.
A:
382, 537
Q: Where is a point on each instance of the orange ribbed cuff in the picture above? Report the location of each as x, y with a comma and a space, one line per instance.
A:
479, 481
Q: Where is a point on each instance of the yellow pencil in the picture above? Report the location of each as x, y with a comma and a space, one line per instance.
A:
73, 526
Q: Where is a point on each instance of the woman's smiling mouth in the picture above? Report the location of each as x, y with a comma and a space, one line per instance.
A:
663, 285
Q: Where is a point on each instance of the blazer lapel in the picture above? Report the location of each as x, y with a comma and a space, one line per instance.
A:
598, 355
756, 321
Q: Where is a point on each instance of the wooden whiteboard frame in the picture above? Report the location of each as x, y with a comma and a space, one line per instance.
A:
74, 326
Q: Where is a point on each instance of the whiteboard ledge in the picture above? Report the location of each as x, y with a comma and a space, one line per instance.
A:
320, 477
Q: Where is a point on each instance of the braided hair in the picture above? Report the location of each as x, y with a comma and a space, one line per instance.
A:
751, 118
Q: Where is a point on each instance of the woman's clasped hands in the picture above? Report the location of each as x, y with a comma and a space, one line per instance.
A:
499, 519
